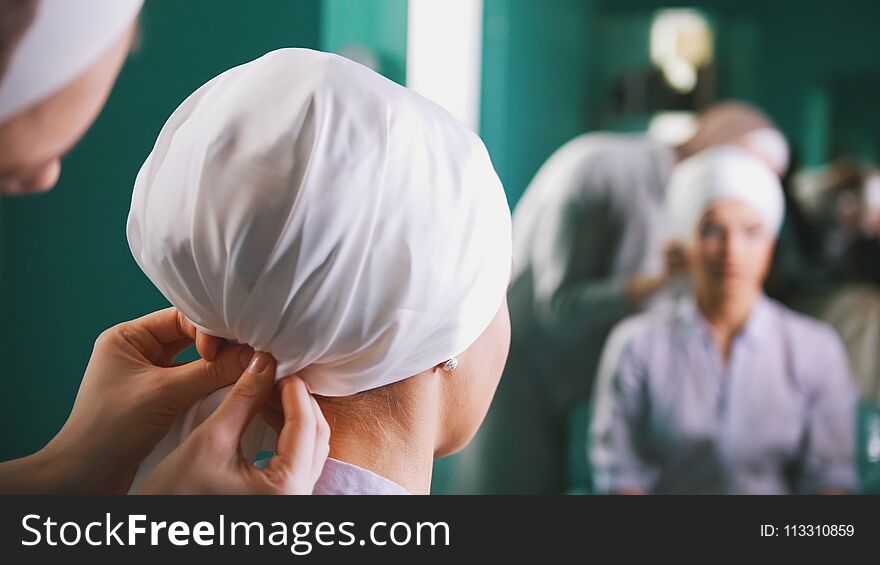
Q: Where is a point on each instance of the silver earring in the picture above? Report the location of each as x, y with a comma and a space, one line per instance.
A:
451, 365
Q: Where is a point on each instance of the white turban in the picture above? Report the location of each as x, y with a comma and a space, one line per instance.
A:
770, 144
309, 207
720, 173
65, 39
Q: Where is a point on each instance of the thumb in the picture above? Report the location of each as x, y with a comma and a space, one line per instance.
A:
198, 379
247, 396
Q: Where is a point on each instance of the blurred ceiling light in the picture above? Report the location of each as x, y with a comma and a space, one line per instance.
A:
681, 43
681, 75
673, 128
443, 54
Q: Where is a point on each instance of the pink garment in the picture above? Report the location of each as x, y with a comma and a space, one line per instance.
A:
339, 477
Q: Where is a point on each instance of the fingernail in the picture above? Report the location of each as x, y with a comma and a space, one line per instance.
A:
244, 357
258, 363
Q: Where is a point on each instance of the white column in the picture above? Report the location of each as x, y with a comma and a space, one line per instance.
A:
444, 54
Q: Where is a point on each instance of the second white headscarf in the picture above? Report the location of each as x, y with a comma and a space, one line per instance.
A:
718, 173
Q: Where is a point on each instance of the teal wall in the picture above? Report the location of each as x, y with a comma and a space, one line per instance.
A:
548, 68
376, 25
65, 266
534, 89
805, 63
809, 47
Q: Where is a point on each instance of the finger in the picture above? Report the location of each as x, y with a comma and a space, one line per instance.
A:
167, 326
274, 401
191, 381
137, 341
175, 332
158, 337
247, 396
322, 440
273, 418
323, 426
209, 346
272, 411
295, 449
171, 351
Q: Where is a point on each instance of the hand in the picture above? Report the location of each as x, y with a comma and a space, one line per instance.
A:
210, 461
640, 288
675, 261
130, 395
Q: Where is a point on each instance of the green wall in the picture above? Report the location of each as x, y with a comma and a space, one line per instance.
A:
534, 87
805, 63
377, 25
65, 266
809, 47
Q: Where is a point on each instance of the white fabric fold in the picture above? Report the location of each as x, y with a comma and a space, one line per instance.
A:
770, 144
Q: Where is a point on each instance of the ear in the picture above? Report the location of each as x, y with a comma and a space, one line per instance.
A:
450, 365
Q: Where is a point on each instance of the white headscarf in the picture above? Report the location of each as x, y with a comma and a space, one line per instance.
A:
65, 39
307, 206
770, 144
719, 173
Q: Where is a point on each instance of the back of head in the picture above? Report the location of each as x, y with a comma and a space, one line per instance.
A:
734, 122
309, 207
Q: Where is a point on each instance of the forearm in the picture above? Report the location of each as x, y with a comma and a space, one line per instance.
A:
34, 474
604, 302
54, 470
638, 289
596, 303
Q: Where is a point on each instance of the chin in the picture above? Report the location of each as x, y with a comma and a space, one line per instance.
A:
732, 283
737, 291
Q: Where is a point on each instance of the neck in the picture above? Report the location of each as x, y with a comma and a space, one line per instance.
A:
726, 314
388, 438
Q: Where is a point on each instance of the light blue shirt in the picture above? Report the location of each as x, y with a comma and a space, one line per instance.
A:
670, 417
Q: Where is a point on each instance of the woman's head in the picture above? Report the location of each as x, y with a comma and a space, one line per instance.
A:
727, 206
737, 123
61, 59
305, 205
732, 250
